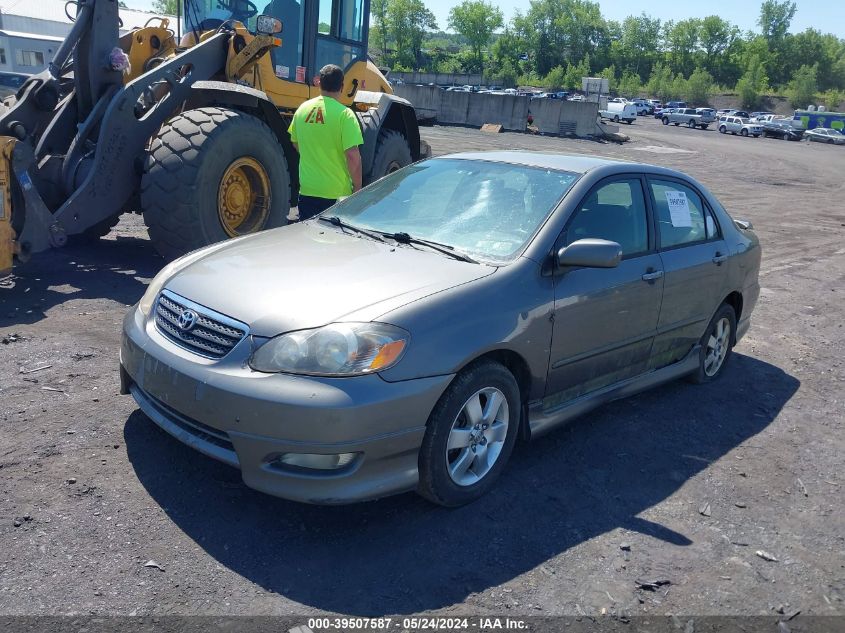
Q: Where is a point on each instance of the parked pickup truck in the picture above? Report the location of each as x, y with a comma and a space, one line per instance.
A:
689, 117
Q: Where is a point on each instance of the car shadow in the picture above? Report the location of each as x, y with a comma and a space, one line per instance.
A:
403, 555
110, 269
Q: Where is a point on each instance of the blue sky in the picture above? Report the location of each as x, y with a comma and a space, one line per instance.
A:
825, 15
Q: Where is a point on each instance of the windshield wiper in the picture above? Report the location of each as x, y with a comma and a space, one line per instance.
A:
336, 221
404, 238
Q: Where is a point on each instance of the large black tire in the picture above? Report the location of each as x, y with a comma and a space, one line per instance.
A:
725, 316
183, 173
435, 482
392, 153
665, 121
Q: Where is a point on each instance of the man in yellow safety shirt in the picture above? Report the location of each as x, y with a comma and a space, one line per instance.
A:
326, 134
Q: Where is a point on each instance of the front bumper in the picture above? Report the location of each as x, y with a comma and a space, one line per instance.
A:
248, 419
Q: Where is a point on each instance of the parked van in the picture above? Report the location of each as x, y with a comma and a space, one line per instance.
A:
617, 111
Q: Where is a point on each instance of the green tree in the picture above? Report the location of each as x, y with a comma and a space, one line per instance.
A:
561, 32
630, 84
752, 84
682, 40
476, 20
576, 72
407, 22
168, 7
609, 73
803, 87
660, 82
775, 18
640, 43
699, 87
556, 79
378, 14
507, 75
832, 99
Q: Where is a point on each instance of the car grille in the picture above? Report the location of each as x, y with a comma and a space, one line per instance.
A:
212, 335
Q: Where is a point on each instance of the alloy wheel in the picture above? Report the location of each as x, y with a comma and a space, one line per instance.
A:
477, 436
718, 345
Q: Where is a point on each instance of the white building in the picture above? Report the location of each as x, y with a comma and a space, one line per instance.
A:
31, 31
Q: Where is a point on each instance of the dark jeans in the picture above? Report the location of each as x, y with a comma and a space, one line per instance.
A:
309, 206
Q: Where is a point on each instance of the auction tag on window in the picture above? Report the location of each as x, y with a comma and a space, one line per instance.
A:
282, 72
679, 208
300, 74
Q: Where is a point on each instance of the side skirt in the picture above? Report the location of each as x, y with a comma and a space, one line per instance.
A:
542, 421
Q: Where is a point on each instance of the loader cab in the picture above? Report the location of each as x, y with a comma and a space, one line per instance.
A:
314, 32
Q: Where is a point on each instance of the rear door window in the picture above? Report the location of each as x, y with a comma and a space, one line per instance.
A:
682, 217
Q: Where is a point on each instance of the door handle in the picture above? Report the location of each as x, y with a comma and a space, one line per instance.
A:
657, 274
719, 258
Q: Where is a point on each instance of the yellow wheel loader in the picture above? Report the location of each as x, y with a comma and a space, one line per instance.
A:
191, 131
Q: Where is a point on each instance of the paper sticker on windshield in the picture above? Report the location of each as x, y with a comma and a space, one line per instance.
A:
679, 208
282, 72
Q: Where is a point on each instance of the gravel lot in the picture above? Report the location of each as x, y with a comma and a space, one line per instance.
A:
683, 484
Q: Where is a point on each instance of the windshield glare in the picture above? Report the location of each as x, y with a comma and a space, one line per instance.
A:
486, 209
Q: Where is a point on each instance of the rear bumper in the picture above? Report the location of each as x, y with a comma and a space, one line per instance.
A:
248, 420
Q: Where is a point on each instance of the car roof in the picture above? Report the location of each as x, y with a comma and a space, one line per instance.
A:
576, 163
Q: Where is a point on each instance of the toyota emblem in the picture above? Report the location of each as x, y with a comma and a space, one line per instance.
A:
187, 320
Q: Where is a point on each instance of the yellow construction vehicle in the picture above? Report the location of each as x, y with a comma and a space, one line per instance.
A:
191, 131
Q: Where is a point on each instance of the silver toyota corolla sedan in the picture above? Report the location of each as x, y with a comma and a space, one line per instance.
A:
408, 336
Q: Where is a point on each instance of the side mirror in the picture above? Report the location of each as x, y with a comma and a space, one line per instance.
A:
268, 25
590, 253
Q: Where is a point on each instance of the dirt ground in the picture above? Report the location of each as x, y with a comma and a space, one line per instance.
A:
682, 484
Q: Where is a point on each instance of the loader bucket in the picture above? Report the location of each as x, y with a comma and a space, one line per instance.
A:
7, 234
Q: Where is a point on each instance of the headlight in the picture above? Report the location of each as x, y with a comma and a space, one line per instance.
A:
339, 349
145, 305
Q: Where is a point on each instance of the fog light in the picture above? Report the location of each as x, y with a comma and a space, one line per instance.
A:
314, 461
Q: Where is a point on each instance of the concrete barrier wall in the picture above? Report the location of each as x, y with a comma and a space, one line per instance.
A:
426, 99
509, 111
440, 79
582, 113
454, 107
546, 114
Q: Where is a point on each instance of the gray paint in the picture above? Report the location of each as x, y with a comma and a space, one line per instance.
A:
585, 335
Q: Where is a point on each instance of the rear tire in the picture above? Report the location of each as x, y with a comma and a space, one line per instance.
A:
616, 119
459, 475
182, 179
691, 124
716, 345
723, 130
392, 153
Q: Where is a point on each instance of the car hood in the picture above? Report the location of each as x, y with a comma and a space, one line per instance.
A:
310, 274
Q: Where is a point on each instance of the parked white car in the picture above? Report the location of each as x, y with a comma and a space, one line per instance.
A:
736, 125
618, 111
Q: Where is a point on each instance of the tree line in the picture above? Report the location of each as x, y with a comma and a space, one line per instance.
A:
553, 43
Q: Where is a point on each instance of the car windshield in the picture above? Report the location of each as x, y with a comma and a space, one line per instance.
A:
487, 209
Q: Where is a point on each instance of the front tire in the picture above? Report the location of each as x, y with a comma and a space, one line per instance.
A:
470, 435
716, 345
213, 173
665, 121
743, 132
392, 154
